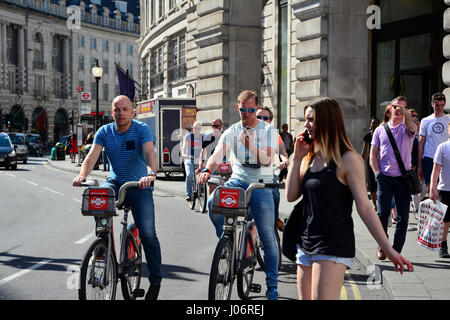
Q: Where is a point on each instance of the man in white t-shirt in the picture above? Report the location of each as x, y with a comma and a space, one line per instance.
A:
252, 145
441, 190
432, 133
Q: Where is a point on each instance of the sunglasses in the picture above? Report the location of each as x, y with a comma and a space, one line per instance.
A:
216, 125
250, 110
440, 98
265, 118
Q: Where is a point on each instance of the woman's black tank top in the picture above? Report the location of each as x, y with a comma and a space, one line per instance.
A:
327, 227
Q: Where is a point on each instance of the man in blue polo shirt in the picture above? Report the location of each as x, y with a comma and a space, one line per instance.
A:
129, 146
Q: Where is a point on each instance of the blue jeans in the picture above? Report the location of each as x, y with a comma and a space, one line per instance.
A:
263, 212
389, 187
142, 207
190, 170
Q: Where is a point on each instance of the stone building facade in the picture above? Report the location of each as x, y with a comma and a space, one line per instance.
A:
361, 52
47, 52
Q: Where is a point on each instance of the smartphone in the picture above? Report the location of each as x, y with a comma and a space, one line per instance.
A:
306, 137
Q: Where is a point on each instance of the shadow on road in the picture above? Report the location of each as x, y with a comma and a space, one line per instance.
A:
23, 262
173, 272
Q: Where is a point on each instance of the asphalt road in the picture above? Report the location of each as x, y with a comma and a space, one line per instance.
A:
43, 237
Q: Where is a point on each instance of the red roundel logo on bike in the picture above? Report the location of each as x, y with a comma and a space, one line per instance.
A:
229, 198
98, 199
224, 167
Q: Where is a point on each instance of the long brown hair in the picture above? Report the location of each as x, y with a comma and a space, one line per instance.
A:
330, 135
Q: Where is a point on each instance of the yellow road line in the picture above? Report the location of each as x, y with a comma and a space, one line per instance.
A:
354, 287
343, 293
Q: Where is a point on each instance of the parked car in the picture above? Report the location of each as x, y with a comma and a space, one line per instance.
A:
35, 145
20, 146
8, 158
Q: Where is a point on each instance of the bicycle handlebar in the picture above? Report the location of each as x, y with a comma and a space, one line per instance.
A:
258, 185
123, 190
90, 183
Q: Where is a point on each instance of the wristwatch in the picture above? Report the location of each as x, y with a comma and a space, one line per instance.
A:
206, 170
151, 173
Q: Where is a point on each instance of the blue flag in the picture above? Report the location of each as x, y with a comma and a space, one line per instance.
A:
126, 83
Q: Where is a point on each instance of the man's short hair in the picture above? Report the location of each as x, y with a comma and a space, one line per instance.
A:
269, 111
438, 96
400, 98
246, 95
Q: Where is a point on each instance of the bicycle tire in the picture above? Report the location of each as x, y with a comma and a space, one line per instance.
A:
194, 193
96, 253
202, 197
245, 275
130, 283
221, 273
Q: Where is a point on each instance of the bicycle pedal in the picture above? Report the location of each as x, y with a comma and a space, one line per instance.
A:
139, 293
255, 288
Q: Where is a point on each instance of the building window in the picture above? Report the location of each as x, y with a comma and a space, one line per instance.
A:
283, 58
81, 63
105, 65
130, 69
105, 45
105, 92
81, 42
93, 43
94, 90
130, 49
117, 47
81, 84
152, 11
117, 90
177, 59
161, 8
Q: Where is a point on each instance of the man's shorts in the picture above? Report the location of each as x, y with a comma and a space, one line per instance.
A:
427, 168
308, 259
444, 197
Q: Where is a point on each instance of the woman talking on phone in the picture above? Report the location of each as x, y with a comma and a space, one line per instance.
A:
329, 173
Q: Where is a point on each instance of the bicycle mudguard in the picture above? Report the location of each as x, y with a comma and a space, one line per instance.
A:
229, 201
98, 202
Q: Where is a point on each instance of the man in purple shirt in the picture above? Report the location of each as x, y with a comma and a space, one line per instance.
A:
391, 183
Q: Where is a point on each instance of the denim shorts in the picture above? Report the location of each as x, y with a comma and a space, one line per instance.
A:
307, 259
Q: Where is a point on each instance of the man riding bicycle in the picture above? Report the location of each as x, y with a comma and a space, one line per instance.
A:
129, 146
252, 144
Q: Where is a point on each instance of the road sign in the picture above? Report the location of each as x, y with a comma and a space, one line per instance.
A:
79, 89
85, 97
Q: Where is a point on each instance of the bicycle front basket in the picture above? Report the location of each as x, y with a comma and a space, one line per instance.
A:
229, 201
98, 201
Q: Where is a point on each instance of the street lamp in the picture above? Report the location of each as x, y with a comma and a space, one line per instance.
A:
97, 72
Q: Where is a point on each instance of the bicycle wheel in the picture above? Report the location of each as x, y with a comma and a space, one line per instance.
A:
202, 197
221, 276
131, 279
194, 193
246, 272
92, 272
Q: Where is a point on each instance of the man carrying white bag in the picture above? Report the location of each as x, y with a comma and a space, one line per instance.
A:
441, 191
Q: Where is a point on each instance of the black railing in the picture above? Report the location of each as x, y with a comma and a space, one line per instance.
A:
157, 81
177, 73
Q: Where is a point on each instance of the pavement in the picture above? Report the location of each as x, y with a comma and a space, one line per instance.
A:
430, 279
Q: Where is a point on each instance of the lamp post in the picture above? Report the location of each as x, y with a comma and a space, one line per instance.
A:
97, 72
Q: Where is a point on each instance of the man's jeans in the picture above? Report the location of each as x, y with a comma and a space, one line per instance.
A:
142, 207
189, 167
396, 187
263, 212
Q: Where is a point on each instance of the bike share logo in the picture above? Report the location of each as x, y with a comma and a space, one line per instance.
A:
98, 199
438, 128
229, 198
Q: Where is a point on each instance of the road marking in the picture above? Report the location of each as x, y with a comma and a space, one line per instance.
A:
354, 287
30, 182
76, 200
343, 294
11, 175
56, 192
84, 239
23, 272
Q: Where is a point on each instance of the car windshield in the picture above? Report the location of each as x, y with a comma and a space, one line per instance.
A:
33, 139
16, 139
4, 142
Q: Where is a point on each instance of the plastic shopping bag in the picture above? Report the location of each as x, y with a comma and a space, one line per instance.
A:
431, 224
